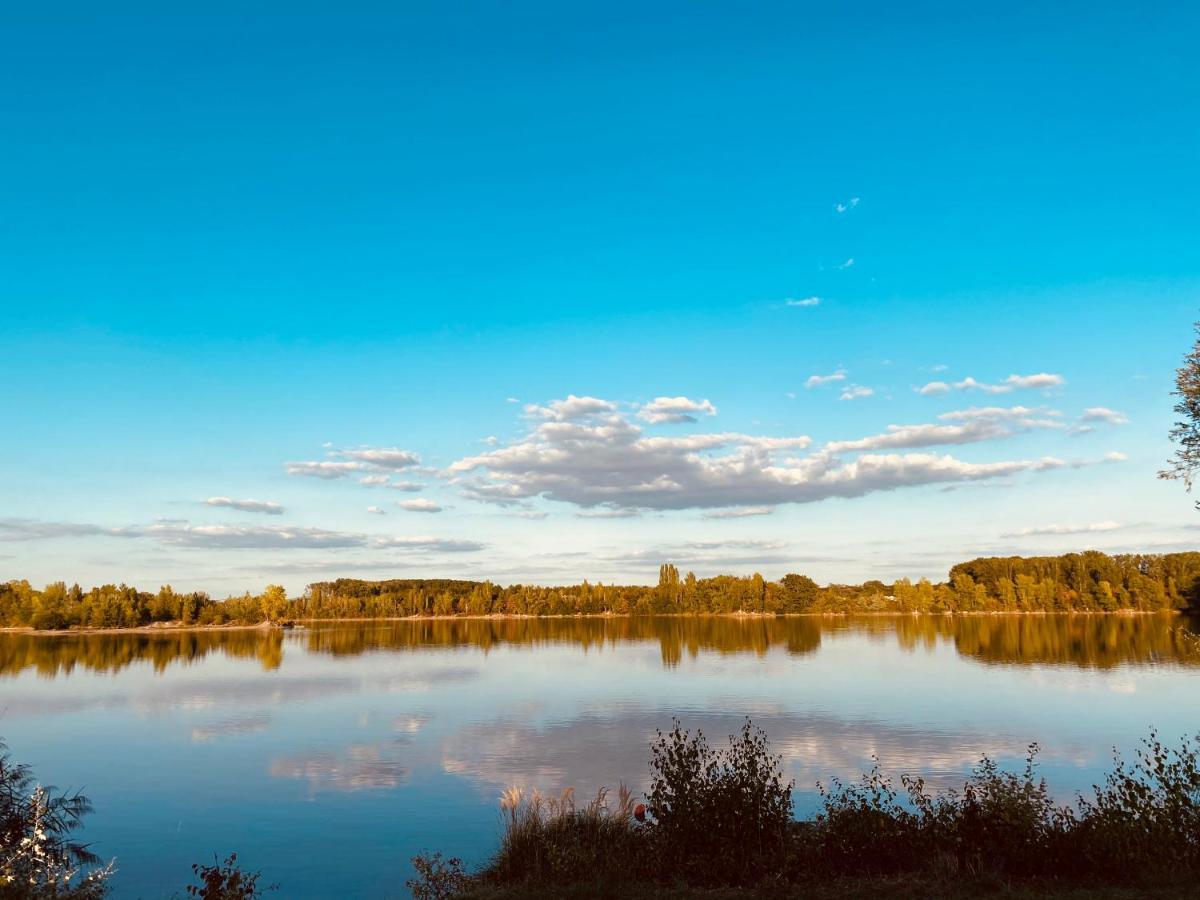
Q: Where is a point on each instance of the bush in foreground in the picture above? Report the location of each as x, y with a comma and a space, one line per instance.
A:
724, 818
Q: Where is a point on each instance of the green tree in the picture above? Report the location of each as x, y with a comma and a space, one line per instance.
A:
274, 603
799, 592
1186, 433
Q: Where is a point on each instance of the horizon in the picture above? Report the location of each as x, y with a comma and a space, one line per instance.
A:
520, 294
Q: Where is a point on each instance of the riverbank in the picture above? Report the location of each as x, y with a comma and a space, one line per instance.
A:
177, 627
843, 889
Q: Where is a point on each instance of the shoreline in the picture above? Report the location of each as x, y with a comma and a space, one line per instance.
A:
176, 627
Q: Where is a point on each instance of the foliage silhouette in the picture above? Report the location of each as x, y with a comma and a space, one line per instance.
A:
226, 881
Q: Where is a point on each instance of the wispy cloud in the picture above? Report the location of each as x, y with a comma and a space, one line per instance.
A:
847, 264
323, 469
377, 510
806, 301
1104, 415
847, 206
815, 381
259, 537
441, 545
419, 505
1011, 383
675, 409
381, 457
608, 513
1093, 528
969, 426
739, 512
856, 392
256, 506
343, 463
13, 530
181, 533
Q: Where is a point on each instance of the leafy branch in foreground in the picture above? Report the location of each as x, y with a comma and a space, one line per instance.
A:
38, 858
226, 881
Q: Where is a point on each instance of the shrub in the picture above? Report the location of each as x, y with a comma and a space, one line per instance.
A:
1145, 818
437, 879
718, 816
226, 881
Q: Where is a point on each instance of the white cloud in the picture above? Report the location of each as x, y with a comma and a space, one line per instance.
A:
569, 409
1093, 528
602, 460
806, 301
15, 529
373, 480
607, 513
1115, 456
410, 487
1105, 415
323, 469
910, 436
258, 506
419, 505
260, 537
1025, 416
1011, 383
377, 510
441, 545
181, 533
739, 512
847, 264
381, 457
1040, 380
856, 392
675, 409
847, 206
820, 380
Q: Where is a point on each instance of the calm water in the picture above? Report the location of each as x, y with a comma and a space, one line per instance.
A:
327, 757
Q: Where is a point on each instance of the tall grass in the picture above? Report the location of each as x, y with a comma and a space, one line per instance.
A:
549, 839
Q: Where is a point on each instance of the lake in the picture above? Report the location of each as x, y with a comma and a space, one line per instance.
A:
327, 756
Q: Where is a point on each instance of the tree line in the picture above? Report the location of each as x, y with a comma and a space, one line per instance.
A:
1075, 582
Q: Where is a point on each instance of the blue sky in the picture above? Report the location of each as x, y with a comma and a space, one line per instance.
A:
233, 241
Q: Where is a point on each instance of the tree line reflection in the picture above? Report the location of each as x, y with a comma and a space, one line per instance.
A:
1085, 641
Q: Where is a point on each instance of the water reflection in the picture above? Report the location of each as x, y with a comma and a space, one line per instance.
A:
1088, 641
358, 767
60, 654
595, 751
410, 729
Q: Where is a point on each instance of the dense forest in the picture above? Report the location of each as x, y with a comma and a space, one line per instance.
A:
1075, 582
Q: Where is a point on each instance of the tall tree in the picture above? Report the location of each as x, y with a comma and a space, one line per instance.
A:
1186, 434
